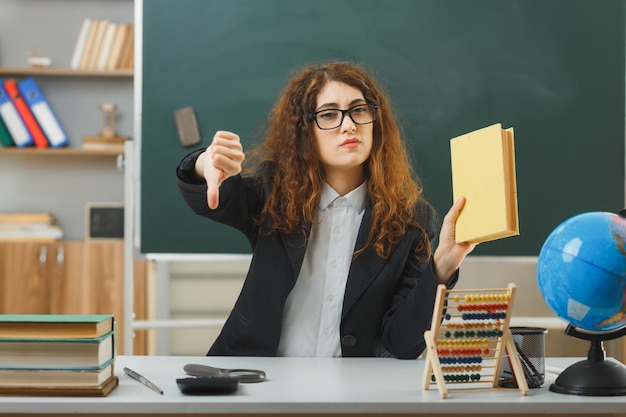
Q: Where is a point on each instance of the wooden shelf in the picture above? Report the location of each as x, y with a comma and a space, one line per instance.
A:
65, 72
60, 152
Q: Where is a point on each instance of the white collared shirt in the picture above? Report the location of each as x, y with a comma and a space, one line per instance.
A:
312, 312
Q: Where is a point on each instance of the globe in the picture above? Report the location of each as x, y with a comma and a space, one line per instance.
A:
581, 271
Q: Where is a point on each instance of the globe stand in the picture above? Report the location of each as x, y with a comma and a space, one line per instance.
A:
594, 376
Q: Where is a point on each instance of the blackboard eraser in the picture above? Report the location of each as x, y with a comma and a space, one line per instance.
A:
187, 126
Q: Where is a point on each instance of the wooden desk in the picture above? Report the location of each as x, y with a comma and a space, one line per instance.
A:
348, 386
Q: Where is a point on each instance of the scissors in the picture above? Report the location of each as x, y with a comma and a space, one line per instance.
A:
244, 375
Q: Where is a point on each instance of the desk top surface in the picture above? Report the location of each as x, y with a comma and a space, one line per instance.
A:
311, 386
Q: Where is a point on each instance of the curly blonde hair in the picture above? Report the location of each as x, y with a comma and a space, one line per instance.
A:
392, 186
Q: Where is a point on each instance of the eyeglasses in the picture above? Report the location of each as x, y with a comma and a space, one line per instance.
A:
328, 119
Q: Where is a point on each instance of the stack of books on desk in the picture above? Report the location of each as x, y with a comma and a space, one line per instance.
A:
50, 354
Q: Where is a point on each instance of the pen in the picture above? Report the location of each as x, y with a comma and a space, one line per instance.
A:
134, 375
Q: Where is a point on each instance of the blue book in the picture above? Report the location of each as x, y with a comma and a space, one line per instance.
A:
12, 120
42, 111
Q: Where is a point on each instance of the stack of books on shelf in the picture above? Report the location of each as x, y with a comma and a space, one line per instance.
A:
29, 226
102, 45
57, 354
26, 118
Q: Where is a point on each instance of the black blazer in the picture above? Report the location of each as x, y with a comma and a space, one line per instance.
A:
388, 303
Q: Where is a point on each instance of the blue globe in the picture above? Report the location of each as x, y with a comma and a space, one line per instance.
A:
581, 271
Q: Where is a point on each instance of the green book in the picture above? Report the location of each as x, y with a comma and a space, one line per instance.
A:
50, 326
5, 137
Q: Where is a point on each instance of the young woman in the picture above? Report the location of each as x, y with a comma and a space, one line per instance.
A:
341, 236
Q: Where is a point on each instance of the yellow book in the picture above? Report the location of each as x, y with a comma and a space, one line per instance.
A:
94, 52
116, 48
483, 170
81, 43
89, 45
105, 47
127, 57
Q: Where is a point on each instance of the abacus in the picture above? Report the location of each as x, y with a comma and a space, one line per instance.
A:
468, 338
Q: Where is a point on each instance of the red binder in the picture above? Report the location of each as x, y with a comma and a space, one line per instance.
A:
27, 116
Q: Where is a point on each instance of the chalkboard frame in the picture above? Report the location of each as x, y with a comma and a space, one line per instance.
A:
104, 221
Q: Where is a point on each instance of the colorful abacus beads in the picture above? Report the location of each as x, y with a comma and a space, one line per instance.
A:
458, 378
458, 334
462, 343
474, 326
489, 333
493, 307
483, 316
465, 360
476, 298
461, 368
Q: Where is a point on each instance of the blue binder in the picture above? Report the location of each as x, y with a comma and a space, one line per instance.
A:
12, 120
43, 112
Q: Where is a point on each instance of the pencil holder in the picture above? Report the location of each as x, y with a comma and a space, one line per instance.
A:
530, 343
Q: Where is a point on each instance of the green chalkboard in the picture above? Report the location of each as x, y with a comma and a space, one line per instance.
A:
552, 69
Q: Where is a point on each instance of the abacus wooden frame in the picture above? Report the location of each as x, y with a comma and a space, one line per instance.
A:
448, 300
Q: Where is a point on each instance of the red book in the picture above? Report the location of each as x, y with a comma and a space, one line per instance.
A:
27, 116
